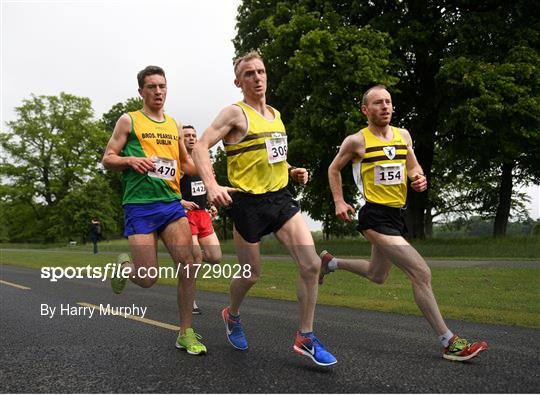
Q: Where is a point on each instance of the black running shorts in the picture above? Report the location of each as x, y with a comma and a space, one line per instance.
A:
257, 215
382, 219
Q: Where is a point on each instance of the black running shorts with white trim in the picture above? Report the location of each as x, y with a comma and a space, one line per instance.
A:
382, 219
257, 215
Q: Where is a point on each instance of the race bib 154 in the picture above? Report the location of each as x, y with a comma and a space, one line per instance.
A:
389, 174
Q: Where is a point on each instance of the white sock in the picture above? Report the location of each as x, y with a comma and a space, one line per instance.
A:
332, 265
445, 339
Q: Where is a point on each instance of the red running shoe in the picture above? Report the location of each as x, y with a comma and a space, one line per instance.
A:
326, 257
461, 350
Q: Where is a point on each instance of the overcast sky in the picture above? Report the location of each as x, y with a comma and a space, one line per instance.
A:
95, 49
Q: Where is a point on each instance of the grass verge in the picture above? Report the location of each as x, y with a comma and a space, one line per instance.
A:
491, 295
506, 248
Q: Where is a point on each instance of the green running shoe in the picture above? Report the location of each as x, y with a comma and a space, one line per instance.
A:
189, 341
119, 283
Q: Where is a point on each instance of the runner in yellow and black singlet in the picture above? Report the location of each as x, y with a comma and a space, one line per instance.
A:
257, 167
383, 160
256, 146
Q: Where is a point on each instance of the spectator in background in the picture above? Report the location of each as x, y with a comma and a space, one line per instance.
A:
95, 233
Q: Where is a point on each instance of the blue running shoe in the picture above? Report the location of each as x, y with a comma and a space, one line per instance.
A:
234, 330
311, 347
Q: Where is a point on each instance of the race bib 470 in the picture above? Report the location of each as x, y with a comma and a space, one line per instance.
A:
164, 168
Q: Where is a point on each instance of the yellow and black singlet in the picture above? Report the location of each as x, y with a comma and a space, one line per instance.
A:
258, 162
381, 175
159, 142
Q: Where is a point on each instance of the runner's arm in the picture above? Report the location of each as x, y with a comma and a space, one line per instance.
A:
189, 205
414, 170
298, 174
347, 152
227, 120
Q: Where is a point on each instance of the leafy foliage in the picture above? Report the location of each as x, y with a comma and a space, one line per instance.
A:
491, 82
110, 118
320, 56
52, 150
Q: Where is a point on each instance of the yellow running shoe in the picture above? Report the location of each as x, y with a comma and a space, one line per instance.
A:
189, 341
119, 283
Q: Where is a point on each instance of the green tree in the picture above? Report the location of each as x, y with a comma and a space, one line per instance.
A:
535, 229
92, 199
52, 149
468, 194
425, 35
492, 112
110, 118
22, 222
420, 35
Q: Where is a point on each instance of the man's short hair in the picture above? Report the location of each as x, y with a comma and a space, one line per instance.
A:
375, 87
250, 55
148, 70
188, 127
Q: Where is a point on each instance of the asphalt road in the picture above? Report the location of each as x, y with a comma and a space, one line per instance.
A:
377, 352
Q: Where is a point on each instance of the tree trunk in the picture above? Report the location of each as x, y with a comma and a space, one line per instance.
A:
417, 203
505, 201
415, 215
428, 221
423, 126
325, 229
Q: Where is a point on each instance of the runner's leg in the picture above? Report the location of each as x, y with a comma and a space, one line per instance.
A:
177, 238
247, 254
144, 256
211, 249
296, 237
377, 269
402, 254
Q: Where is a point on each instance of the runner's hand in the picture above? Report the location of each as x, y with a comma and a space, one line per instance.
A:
189, 205
140, 165
219, 195
213, 211
419, 183
342, 211
300, 175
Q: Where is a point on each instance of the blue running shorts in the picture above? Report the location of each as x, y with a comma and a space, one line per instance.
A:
150, 217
